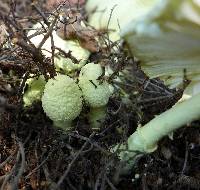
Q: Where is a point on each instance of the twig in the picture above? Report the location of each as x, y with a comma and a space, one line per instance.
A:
38, 167
110, 184
73, 161
9, 158
186, 159
21, 169
109, 19
68, 55
40, 13
49, 32
8, 176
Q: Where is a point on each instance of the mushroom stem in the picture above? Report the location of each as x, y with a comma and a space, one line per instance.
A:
62, 100
65, 125
144, 139
97, 116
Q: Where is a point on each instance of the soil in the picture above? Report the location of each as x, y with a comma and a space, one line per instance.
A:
36, 155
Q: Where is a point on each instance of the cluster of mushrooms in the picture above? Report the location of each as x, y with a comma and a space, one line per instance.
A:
63, 97
76, 84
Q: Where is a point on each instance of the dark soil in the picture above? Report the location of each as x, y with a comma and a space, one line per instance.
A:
35, 155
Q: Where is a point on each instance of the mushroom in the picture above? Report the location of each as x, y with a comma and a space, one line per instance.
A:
95, 92
62, 100
34, 90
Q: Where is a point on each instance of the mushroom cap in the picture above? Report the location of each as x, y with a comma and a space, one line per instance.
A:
62, 99
61, 62
34, 91
95, 92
